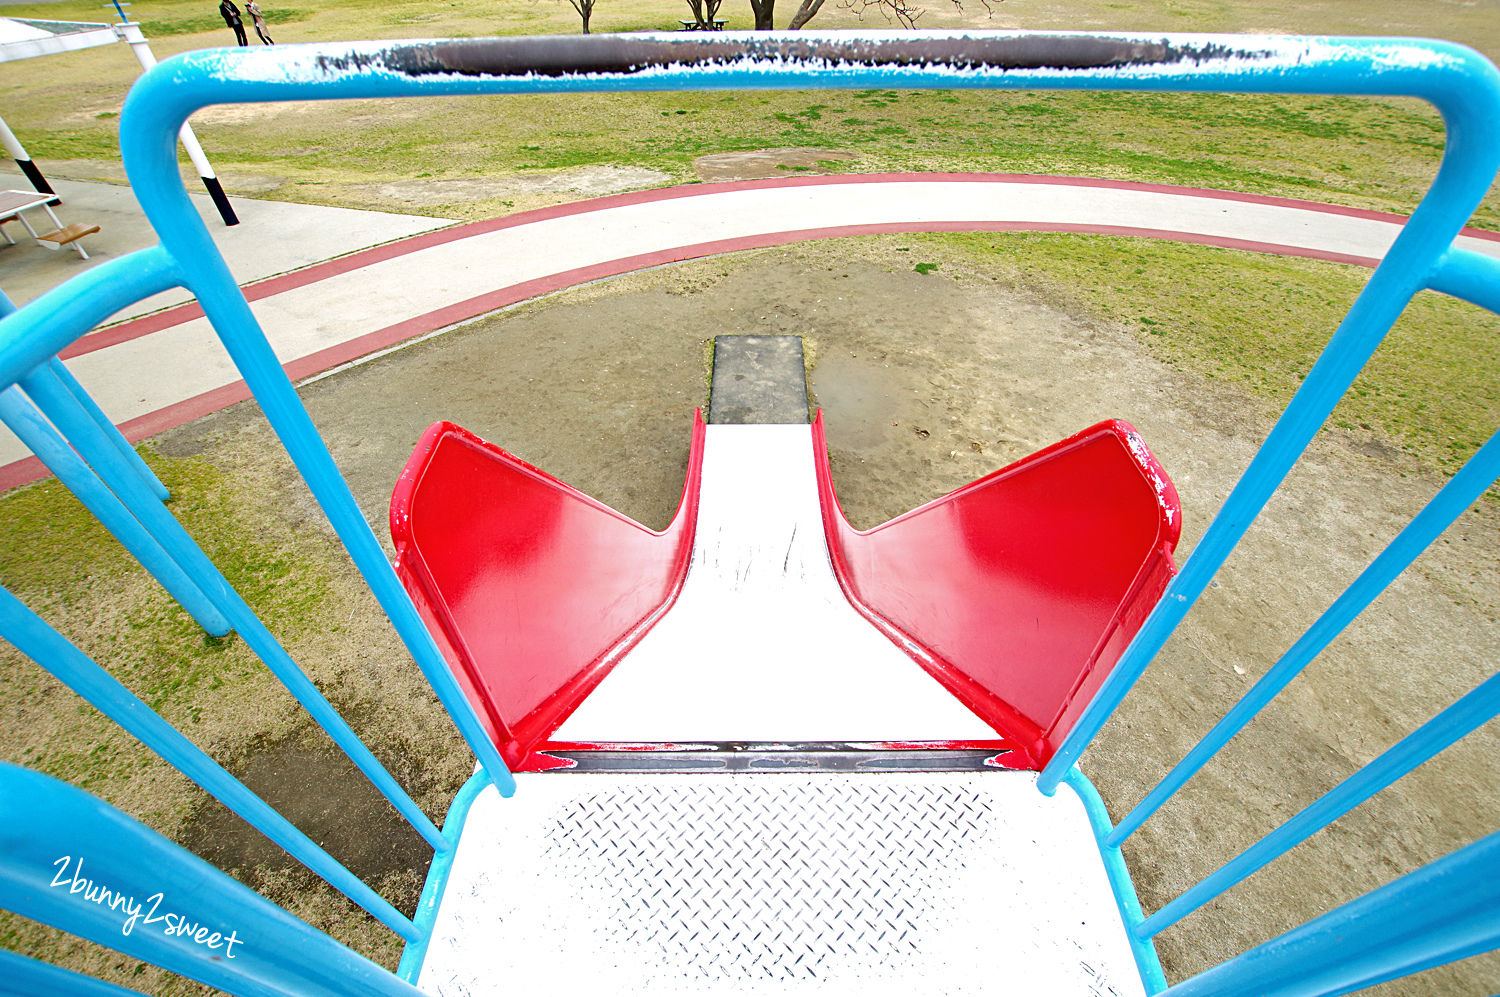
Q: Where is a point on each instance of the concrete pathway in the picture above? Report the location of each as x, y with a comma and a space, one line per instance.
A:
273, 237
340, 311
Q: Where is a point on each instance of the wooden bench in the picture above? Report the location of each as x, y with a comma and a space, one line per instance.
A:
13, 204
68, 235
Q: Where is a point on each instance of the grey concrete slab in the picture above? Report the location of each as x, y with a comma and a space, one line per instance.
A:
758, 380
273, 237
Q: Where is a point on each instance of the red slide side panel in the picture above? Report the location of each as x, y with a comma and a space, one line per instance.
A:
532, 589
1019, 591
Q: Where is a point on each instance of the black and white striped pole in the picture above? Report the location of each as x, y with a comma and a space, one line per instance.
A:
130, 33
18, 153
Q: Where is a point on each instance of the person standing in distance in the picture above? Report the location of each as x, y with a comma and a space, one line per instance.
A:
259, 20
231, 15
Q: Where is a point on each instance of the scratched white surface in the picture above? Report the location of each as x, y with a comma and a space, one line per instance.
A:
762, 645
870, 884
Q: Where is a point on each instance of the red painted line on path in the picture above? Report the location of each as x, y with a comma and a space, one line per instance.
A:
30, 469
135, 328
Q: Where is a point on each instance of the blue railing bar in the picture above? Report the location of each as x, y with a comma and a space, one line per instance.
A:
1461, 491
165, 202
123, 445
34, 638
43, 821
1471, 276
160, 490
1462, 83
75, 425
1452, 77
23, 977
412, 957
1147, 962
1470, 162
29, 425
115, 436
1475, 708
35, 334
207, 617
1445, 911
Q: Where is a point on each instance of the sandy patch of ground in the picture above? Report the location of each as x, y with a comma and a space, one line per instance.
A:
927, 381
243, 183
762, 163
587, 181
110, 170
249, 114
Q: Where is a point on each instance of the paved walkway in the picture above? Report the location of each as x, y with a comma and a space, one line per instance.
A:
336, 312
273, 237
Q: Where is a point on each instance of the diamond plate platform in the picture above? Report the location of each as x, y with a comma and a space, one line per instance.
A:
831, 883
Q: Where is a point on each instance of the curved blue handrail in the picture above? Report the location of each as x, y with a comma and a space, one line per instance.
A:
70, 861
1461, 84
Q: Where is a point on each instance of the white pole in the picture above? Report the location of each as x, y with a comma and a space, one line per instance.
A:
130, 32
18, 153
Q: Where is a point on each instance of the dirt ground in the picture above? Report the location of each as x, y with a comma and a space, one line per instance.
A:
927, 381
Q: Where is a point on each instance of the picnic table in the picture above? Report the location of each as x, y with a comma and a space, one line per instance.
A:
718, 25
13, 204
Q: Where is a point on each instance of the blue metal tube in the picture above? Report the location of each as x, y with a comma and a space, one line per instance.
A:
1461, 491
34, 638
1480, 705
23, 977
1447, 910
23, 419
436, 885
34, 335
1147, 962
1464, 87
162, 100
1470, 161
182, 230
7, 307
71, 861
75, 425
1471, 276
1449, 75
103, 421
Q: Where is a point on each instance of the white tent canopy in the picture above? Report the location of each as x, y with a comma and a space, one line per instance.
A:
23, 38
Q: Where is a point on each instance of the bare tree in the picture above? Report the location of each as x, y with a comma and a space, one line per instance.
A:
764, 11
585, 10
804, 13
765, 14
704, 12
903, 12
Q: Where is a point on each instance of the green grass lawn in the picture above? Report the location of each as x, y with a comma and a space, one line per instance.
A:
1367, 153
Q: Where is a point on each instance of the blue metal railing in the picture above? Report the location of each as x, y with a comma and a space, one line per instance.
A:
1461, 84
39, 642
1443, 912
77, 864
1461, 491
22, 417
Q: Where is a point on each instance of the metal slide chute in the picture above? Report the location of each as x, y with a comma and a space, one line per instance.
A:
1020, 590
532, 589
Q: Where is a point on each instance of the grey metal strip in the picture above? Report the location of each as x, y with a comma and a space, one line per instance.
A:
728, 757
